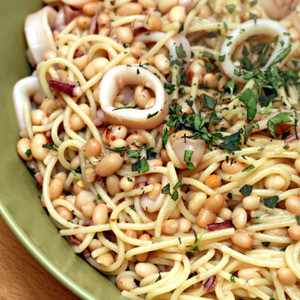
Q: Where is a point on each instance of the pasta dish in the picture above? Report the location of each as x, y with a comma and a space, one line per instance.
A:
164, 136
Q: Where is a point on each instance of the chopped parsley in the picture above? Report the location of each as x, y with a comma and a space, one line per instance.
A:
253, 17
266, 244
169, 88
230, 8
298, 219
165, 137
231, 142
158, 278
230, 86
222, 58
249, 168
249, 98
195, 247
247, 130
232, 278
174, 196
187, 158
152, 115
52, 146
122, 107
118, 149
211, 35
180, 51
208, 102
246, 190
280, 57
140, 166
28, 152
271, 201
166, 189
278, 119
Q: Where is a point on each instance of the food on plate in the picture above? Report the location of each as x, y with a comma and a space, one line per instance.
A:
164, 136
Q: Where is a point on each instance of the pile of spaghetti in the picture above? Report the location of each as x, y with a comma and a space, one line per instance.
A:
165, 138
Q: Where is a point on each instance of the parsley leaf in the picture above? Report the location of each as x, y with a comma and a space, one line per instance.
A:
144, 165
133, 153
28, 152
298, 219
278, 119
166, 189
122, 107
222, 58
281, 56
169, 88
250, 100
247, 130
158, 278
266, 244
195, 247
118, 149
152, 115
271, 201
211, 35
232, 278
208, 102
175, 192
187, 158
246, 190
51, 147
230, 85
249, 168
177, 185
231, 142
165, 137
141, 165
180, 51
230, 8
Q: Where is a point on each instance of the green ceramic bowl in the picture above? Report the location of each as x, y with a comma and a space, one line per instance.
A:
19, 203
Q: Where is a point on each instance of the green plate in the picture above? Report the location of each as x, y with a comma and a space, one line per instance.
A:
19, 198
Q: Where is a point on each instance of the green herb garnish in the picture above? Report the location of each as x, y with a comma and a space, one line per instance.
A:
250, 100
28, 152
266, 244
278, 119
246, 190
271, 201
230, 8
122, 107
249, 168
208, 102
152, 115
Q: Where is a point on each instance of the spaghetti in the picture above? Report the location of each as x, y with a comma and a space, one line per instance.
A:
164, 136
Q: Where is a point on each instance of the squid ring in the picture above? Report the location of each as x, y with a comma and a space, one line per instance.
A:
133, 117
244, 31
38, 33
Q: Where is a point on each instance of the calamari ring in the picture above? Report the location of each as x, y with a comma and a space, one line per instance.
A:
250, 28
132, 117
23, 90
38, 33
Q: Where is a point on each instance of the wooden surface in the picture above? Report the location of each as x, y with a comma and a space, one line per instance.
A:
21, 276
